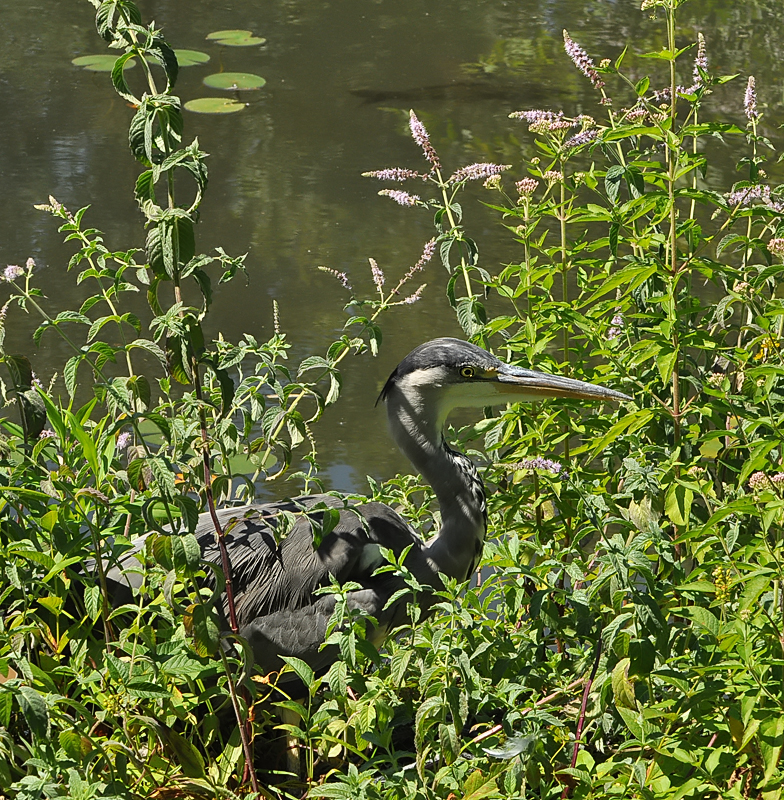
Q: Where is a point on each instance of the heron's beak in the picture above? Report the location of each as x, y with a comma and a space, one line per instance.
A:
525, 384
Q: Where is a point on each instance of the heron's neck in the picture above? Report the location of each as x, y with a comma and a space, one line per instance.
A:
418, 432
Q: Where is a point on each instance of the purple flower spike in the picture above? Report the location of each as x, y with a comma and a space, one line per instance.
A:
393, 174
422, 138
341, 276
750, 100
417, 295
542, 464
12, 271
403, 198
584, 137
582, 61
478, 172
378, 275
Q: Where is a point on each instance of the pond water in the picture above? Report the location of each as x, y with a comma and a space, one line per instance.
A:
285, 181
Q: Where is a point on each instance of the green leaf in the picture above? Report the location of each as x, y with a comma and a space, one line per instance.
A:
623, 688
201, 623
302, 670
677, 503
633, 722
118, 79
702, 617
234, 81
100, 63
189, 757
214, 105
138, 474
186, 553
235, 38
189, 58
35, 711
753, 589
666, 359
75, 746
478, 786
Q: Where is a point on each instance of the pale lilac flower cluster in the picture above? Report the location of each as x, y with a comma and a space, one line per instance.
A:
341, 276
582, 61
401, 198
526, 187
417, 295
123, 440
47, 434
543, 121
663, 95
776, 246
12, 272
553, 176
378, 275
537, 115
750, 100
745, 196
493, 182
427, 253
478, 172
540, 463
740, 287
761, 480
584, 137
636, 114
616, 327
393, 174
36, 381
55, 207
422, 138
716, 379
700, 62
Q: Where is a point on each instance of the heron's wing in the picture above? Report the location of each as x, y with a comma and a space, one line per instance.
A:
275, 566
276, 570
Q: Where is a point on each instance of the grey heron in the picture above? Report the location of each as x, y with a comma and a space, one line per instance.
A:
276, 583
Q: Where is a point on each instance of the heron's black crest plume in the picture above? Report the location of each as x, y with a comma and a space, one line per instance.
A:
443, 352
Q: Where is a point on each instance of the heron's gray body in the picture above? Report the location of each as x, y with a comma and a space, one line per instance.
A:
276, 579
278, 610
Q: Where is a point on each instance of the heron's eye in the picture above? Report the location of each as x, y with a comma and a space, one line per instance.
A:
467, 372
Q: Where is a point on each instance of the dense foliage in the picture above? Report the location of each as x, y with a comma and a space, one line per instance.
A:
626, 638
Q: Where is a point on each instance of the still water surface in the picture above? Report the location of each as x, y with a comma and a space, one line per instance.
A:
285, 181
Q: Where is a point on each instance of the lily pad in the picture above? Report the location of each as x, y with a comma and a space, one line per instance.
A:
236, 38
214, 105
189, 58
101, 63
237, 81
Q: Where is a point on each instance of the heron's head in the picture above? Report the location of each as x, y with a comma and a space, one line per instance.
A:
449, 373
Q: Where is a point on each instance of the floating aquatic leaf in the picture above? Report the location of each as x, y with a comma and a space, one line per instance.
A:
99, 63
189, 58
239, 81
235, 38
214, 105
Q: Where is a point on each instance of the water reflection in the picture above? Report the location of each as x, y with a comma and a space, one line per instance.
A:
285, 174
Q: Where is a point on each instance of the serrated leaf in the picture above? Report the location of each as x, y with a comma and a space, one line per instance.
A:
201, 623
186, 553
623, 688
35, 711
